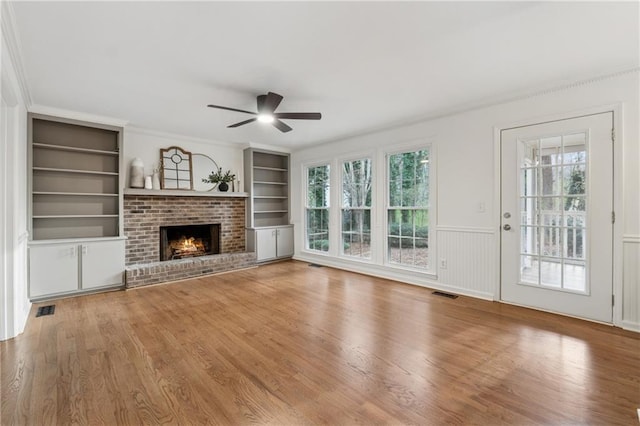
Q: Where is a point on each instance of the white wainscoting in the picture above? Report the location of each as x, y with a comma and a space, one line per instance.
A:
471, 260
20, 278
471, 255
631, 282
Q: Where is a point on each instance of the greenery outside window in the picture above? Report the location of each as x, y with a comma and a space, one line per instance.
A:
317, 208
356, 208
408, 209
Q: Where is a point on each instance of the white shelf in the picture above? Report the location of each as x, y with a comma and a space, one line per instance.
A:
269, 183
75, 216
72, 240
74, 149
86, 172
81, 194
270, 211
272, 197
275, 169
183, 193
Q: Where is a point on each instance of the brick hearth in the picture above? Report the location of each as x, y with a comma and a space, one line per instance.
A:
143, 216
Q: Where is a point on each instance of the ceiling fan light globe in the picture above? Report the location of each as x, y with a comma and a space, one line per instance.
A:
265, 118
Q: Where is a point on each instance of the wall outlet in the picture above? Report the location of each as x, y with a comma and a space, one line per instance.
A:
481, 207
443, 263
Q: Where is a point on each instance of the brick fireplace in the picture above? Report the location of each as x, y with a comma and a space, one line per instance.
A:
144, 215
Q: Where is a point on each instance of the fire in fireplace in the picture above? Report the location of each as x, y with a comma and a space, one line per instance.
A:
178, 242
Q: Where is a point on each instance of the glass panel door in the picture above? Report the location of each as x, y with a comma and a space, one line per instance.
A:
553, 214
556, 231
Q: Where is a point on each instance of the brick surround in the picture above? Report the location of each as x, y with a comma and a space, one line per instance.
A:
143, 216
173, 270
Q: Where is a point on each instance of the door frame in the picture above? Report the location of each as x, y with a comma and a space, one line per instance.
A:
618, 114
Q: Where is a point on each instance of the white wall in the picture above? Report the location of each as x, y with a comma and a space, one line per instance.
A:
146, 144
14, 303
466, 176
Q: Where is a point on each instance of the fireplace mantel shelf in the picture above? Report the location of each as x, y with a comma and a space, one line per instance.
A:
183, 193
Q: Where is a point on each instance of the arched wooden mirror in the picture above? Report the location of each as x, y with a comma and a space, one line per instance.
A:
176, 168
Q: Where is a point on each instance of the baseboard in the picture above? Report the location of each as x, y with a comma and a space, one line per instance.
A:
630, 326
407, 277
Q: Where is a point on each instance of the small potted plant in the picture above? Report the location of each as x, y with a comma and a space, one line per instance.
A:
220, 178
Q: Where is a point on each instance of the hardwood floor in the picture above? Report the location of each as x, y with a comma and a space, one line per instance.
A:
291, 344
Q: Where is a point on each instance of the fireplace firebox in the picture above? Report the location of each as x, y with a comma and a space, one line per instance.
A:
179, 242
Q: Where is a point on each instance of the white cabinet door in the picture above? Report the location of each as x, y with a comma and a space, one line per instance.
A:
102, 263
265, 244
53, 269
284, 243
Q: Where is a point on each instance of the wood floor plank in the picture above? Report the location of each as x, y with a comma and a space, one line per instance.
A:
287, 344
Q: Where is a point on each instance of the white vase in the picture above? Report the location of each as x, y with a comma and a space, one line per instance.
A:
147, 182
136, 179
156, 181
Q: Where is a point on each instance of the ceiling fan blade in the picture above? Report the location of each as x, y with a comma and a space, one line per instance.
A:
299, 115
270, 103
281, 126
242, 123
231, 109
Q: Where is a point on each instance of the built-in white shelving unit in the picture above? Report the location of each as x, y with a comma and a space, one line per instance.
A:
266, 175
75, 206
75, 179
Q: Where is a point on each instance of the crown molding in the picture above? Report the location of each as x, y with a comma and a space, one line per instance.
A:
75, 115
12, 40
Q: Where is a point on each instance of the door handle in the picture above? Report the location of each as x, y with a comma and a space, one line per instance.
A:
507, 227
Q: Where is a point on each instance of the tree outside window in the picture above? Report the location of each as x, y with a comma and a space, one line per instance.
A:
408, 211
356, 208
317, 208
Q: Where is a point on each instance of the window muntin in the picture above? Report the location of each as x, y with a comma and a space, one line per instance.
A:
408, 209
553, 212
356, 208
317, 208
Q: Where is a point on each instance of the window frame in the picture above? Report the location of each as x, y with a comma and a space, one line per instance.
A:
305, 171
431, 207
341, 162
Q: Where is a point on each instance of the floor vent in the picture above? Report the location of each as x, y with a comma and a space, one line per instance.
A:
315, 265
46, 310
443, 294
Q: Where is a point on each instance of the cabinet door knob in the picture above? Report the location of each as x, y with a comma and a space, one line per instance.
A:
85, 249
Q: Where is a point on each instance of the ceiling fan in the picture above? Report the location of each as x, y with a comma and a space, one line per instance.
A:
267, 105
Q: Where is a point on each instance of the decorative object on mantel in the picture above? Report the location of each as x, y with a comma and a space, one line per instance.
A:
137, 174
175, 169
147, 182
202, 165
155, 178
220, 178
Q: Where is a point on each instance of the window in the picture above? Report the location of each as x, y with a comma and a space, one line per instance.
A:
317, 208
408, 209
356, 208
553, 206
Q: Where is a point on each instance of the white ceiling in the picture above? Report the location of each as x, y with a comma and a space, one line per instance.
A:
363, 65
